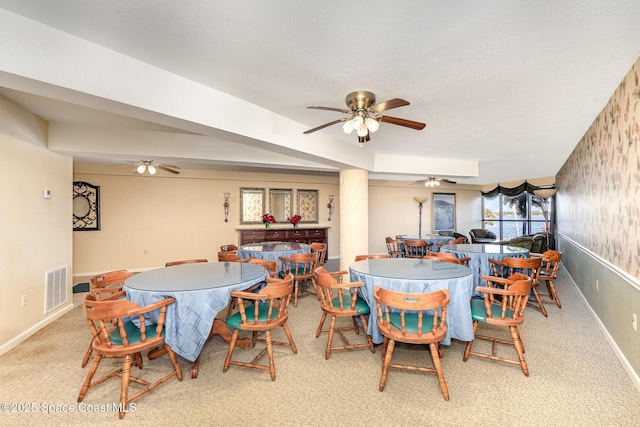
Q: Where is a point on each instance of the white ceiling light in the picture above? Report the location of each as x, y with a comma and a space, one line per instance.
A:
432, 182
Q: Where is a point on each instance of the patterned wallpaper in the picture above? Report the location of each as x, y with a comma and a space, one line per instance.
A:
598, 186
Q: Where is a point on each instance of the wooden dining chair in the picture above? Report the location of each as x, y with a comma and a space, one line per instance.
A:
371, 256
126, 341
262, 312
320, 249
228, 248
186, 261
503, 304
105, 286
443, 256
548, 273
270, 265
405, 318
393, 247
416, 248
340, 299
529, 266
231, 257
302, 267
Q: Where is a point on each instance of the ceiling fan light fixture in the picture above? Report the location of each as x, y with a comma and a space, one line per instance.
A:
432, 182
357, 122
141, 168
347, 128
152, 169
372, 124
363, 131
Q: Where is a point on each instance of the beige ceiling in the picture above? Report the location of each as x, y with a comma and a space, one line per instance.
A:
506, 88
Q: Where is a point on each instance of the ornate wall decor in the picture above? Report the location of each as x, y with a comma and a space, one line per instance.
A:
281, 203
86, 206
308, 205
251, 205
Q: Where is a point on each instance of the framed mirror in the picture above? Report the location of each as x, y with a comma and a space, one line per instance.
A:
281, 203
308, 205
444, 212
252, 205
86, 206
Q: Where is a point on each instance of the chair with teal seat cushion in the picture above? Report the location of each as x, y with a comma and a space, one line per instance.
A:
414, 319
123, 339
340, 299
503, 304
302, 267
263, 311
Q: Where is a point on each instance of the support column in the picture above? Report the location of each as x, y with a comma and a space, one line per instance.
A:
354, 215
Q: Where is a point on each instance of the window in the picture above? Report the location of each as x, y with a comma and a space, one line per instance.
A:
513, 216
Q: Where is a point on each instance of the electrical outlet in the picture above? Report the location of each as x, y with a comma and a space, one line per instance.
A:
597, 286
634, 322
23, 301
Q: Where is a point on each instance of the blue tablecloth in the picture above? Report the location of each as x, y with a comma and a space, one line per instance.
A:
434, 240
273, 250
418, 276
480, 255
201, 290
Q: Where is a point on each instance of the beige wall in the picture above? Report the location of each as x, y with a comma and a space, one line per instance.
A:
147, 221
36, 232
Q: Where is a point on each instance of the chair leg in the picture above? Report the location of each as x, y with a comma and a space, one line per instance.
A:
327, 353
517, 342
290, 338
124, 384
272, 366
540, 305
174, 362
467, 349
87, 355
388, 352
87, 382
322, 319
363, 318
295, 292
232, 345
435, 355
552, 292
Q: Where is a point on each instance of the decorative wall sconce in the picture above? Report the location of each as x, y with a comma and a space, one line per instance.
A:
226, 207
331, 206
420, 201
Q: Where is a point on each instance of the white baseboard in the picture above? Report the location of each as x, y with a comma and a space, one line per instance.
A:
35, 328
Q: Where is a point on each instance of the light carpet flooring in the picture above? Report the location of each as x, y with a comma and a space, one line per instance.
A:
575, 380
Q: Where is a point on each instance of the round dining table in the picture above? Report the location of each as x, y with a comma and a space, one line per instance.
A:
480, 254
273, 250
415, 275
201, 291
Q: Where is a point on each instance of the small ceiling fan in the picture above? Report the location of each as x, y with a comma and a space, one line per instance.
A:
432, 181
364, 115
151, 167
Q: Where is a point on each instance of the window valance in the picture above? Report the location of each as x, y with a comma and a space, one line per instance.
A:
511, 192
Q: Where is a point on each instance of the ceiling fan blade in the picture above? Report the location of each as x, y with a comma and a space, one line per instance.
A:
169, 166
340, 110
448, 181
326, 125
387, 105
164, 168
402, 122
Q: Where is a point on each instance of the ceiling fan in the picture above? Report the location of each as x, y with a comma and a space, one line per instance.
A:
151, 166
364, 115
432, 181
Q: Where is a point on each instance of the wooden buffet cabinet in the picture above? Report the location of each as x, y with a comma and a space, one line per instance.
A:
299, 235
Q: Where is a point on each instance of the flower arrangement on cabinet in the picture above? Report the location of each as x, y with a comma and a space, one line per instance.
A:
295, 220
268, 219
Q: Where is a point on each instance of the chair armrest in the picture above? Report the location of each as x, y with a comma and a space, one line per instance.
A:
151, 307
